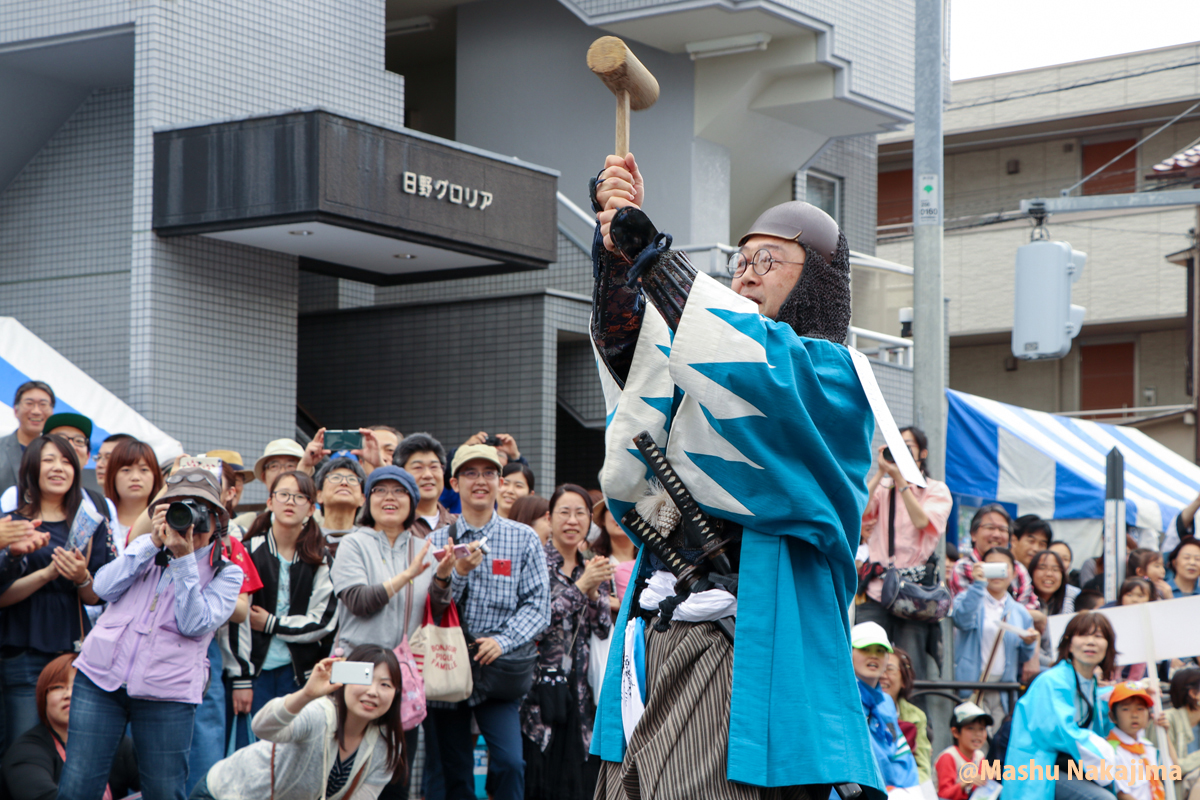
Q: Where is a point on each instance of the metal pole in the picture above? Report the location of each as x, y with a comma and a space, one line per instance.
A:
929, 343
1114, 524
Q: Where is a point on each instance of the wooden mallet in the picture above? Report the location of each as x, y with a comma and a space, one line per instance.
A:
635, 88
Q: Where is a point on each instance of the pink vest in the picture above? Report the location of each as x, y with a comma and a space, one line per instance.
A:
135, 642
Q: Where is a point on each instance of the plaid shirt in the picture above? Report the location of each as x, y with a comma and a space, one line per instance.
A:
1021, 589
509, 598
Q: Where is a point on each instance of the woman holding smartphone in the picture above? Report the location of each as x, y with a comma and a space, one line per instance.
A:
336, 741
383, 574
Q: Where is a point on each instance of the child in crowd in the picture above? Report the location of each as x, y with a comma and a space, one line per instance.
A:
968, 725
1148, 564
892, 753
1129, 706
1134, 591
1088, 600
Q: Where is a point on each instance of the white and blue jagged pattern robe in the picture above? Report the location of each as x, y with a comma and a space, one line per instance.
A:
771, 430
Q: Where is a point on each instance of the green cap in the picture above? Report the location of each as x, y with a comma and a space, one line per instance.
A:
865, 634
68, 418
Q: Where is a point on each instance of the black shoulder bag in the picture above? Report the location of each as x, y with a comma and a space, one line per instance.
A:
510, 676
903, 592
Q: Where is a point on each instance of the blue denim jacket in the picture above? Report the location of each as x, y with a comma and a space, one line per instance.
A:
968, 633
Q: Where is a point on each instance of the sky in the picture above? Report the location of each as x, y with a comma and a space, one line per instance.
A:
992, 36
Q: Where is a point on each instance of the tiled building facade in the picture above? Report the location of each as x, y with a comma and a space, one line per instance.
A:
219, 343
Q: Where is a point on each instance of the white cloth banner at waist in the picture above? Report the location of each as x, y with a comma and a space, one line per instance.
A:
700, 607
633, 670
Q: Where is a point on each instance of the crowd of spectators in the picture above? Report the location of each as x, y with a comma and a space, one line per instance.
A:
1074, 704
196, 659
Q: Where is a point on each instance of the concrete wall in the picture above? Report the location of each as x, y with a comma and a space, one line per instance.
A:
510, 100
1126, 276
447, 368
1160, 362
853, 160
197, 335
64, 239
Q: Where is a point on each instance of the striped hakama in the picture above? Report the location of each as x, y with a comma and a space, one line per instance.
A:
678, 750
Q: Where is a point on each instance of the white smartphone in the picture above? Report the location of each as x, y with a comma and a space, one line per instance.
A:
460, 551
994, 569
360, 673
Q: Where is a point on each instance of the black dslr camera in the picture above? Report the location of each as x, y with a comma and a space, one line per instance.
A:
184, 514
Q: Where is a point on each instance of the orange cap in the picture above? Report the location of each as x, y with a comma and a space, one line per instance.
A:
1128, 689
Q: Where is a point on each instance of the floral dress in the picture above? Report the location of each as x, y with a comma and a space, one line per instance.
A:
572, 617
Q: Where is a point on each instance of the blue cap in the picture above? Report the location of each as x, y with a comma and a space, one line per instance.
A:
343, 454
390, 473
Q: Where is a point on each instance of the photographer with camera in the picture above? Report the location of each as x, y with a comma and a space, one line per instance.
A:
144, 663
905, 522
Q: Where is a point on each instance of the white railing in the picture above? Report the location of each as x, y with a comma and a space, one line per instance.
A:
710, 258
1128, 411
890, 349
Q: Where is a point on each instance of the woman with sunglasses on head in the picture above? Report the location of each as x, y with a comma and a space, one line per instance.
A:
144, 663
328, 740
42, 595
293, 616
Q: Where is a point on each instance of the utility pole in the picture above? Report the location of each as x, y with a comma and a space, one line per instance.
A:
929, 313
929, 332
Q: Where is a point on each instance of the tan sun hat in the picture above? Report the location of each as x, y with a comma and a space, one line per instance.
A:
471, 452
279, 447
799, 222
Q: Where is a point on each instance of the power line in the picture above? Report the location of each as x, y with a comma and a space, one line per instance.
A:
1154, 68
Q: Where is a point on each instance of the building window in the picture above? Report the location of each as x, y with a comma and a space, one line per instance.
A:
825, 192
1118, 177
895, 197
1106, 374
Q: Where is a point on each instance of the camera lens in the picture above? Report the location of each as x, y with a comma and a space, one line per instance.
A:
182, 515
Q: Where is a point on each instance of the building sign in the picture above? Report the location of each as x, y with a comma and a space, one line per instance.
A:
321, 167
425, 186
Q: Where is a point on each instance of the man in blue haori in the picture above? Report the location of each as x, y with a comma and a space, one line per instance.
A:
762, 412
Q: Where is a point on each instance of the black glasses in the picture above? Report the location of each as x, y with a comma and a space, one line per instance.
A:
762, 262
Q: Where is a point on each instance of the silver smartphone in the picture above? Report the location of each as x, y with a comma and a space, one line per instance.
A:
361, 673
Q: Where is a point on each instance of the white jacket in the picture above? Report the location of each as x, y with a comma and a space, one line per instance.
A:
305, 750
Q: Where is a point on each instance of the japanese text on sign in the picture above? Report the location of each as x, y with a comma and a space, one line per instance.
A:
425, 186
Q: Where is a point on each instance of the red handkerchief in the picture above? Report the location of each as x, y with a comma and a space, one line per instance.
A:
502, 566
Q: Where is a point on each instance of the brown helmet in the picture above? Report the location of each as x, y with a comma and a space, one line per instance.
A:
799, 222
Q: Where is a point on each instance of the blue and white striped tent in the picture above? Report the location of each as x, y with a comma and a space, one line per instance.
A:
23, 357
1055, 466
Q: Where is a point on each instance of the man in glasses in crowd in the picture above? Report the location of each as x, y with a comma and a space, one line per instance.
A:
507, 606
32, 406
991, 527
